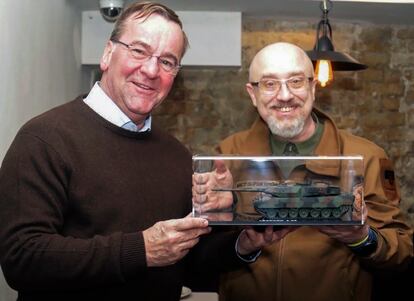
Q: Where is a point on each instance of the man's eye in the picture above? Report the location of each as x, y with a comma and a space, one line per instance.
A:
167, 63
138, 51
296, 80
269, 84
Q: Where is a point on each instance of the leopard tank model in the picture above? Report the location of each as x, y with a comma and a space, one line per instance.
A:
297, 201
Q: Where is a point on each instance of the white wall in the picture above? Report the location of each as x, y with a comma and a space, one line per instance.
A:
40, 60
39, 66
215, 37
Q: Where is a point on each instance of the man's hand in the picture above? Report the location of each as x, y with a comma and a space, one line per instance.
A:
204, 198
350, 234
252, 241
167, 242
346, 234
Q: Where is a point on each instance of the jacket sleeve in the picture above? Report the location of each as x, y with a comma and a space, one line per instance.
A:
395, 247
34, 252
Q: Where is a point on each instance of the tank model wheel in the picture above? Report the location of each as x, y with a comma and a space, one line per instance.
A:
270, 213
337, 212
326, 212
293, 213
315, 212
283, 213
304, 212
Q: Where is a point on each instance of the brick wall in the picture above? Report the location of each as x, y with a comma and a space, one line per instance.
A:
208, 104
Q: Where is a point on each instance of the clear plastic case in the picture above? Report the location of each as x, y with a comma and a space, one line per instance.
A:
256, 190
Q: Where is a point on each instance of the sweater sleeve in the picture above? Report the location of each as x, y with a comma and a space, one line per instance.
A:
35, 253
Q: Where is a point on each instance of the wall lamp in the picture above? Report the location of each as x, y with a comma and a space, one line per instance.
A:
324, 56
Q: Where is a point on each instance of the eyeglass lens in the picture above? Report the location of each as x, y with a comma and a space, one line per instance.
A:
270, 86
141, 54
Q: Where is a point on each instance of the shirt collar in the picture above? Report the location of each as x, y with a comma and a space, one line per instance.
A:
104, 106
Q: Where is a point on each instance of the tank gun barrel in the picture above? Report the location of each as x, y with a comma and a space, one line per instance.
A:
296, 190
268, 190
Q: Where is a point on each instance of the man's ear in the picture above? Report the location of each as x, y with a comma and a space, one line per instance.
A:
250, 90
313, 86
107, 55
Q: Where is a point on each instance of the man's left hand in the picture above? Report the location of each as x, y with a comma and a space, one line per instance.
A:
252, 241
350, 234
204, 198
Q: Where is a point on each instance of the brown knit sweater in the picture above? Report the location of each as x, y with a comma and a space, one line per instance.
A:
75, 194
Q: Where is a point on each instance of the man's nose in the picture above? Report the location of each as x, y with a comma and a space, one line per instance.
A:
284, 93
151, 67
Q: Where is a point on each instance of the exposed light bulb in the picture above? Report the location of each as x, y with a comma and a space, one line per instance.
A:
324, 73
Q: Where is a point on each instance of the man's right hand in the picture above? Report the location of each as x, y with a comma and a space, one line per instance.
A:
167, 242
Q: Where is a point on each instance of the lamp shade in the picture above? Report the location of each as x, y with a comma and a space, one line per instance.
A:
324, 49
340, 61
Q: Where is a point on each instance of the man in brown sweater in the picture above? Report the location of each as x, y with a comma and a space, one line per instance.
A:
93, 196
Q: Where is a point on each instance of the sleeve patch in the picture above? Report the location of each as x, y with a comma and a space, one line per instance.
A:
389, 176
388, 180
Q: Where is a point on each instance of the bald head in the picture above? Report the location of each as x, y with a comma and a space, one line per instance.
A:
282, 60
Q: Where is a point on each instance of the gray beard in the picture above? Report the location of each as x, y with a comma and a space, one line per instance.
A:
286, 129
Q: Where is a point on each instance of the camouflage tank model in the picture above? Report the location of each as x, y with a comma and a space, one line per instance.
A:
287, 201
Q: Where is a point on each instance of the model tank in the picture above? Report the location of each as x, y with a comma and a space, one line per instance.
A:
286, 201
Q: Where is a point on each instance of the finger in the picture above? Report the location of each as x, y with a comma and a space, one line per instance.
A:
190, 223
185, 248
200, 199
206, 207
252, 234
190, 239
201, 189
188, 244
193, 234
195, 192
212, 203
268, 234
200, 178
220, 166
210, 200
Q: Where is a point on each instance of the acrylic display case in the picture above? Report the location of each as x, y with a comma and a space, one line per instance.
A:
254, 190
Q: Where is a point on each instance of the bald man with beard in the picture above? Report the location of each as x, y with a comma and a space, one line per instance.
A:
318, 262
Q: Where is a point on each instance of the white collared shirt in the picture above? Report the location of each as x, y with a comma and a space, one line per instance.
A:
98, 101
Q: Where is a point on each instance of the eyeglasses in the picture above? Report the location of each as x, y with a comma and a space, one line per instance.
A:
271, 86
140, 54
